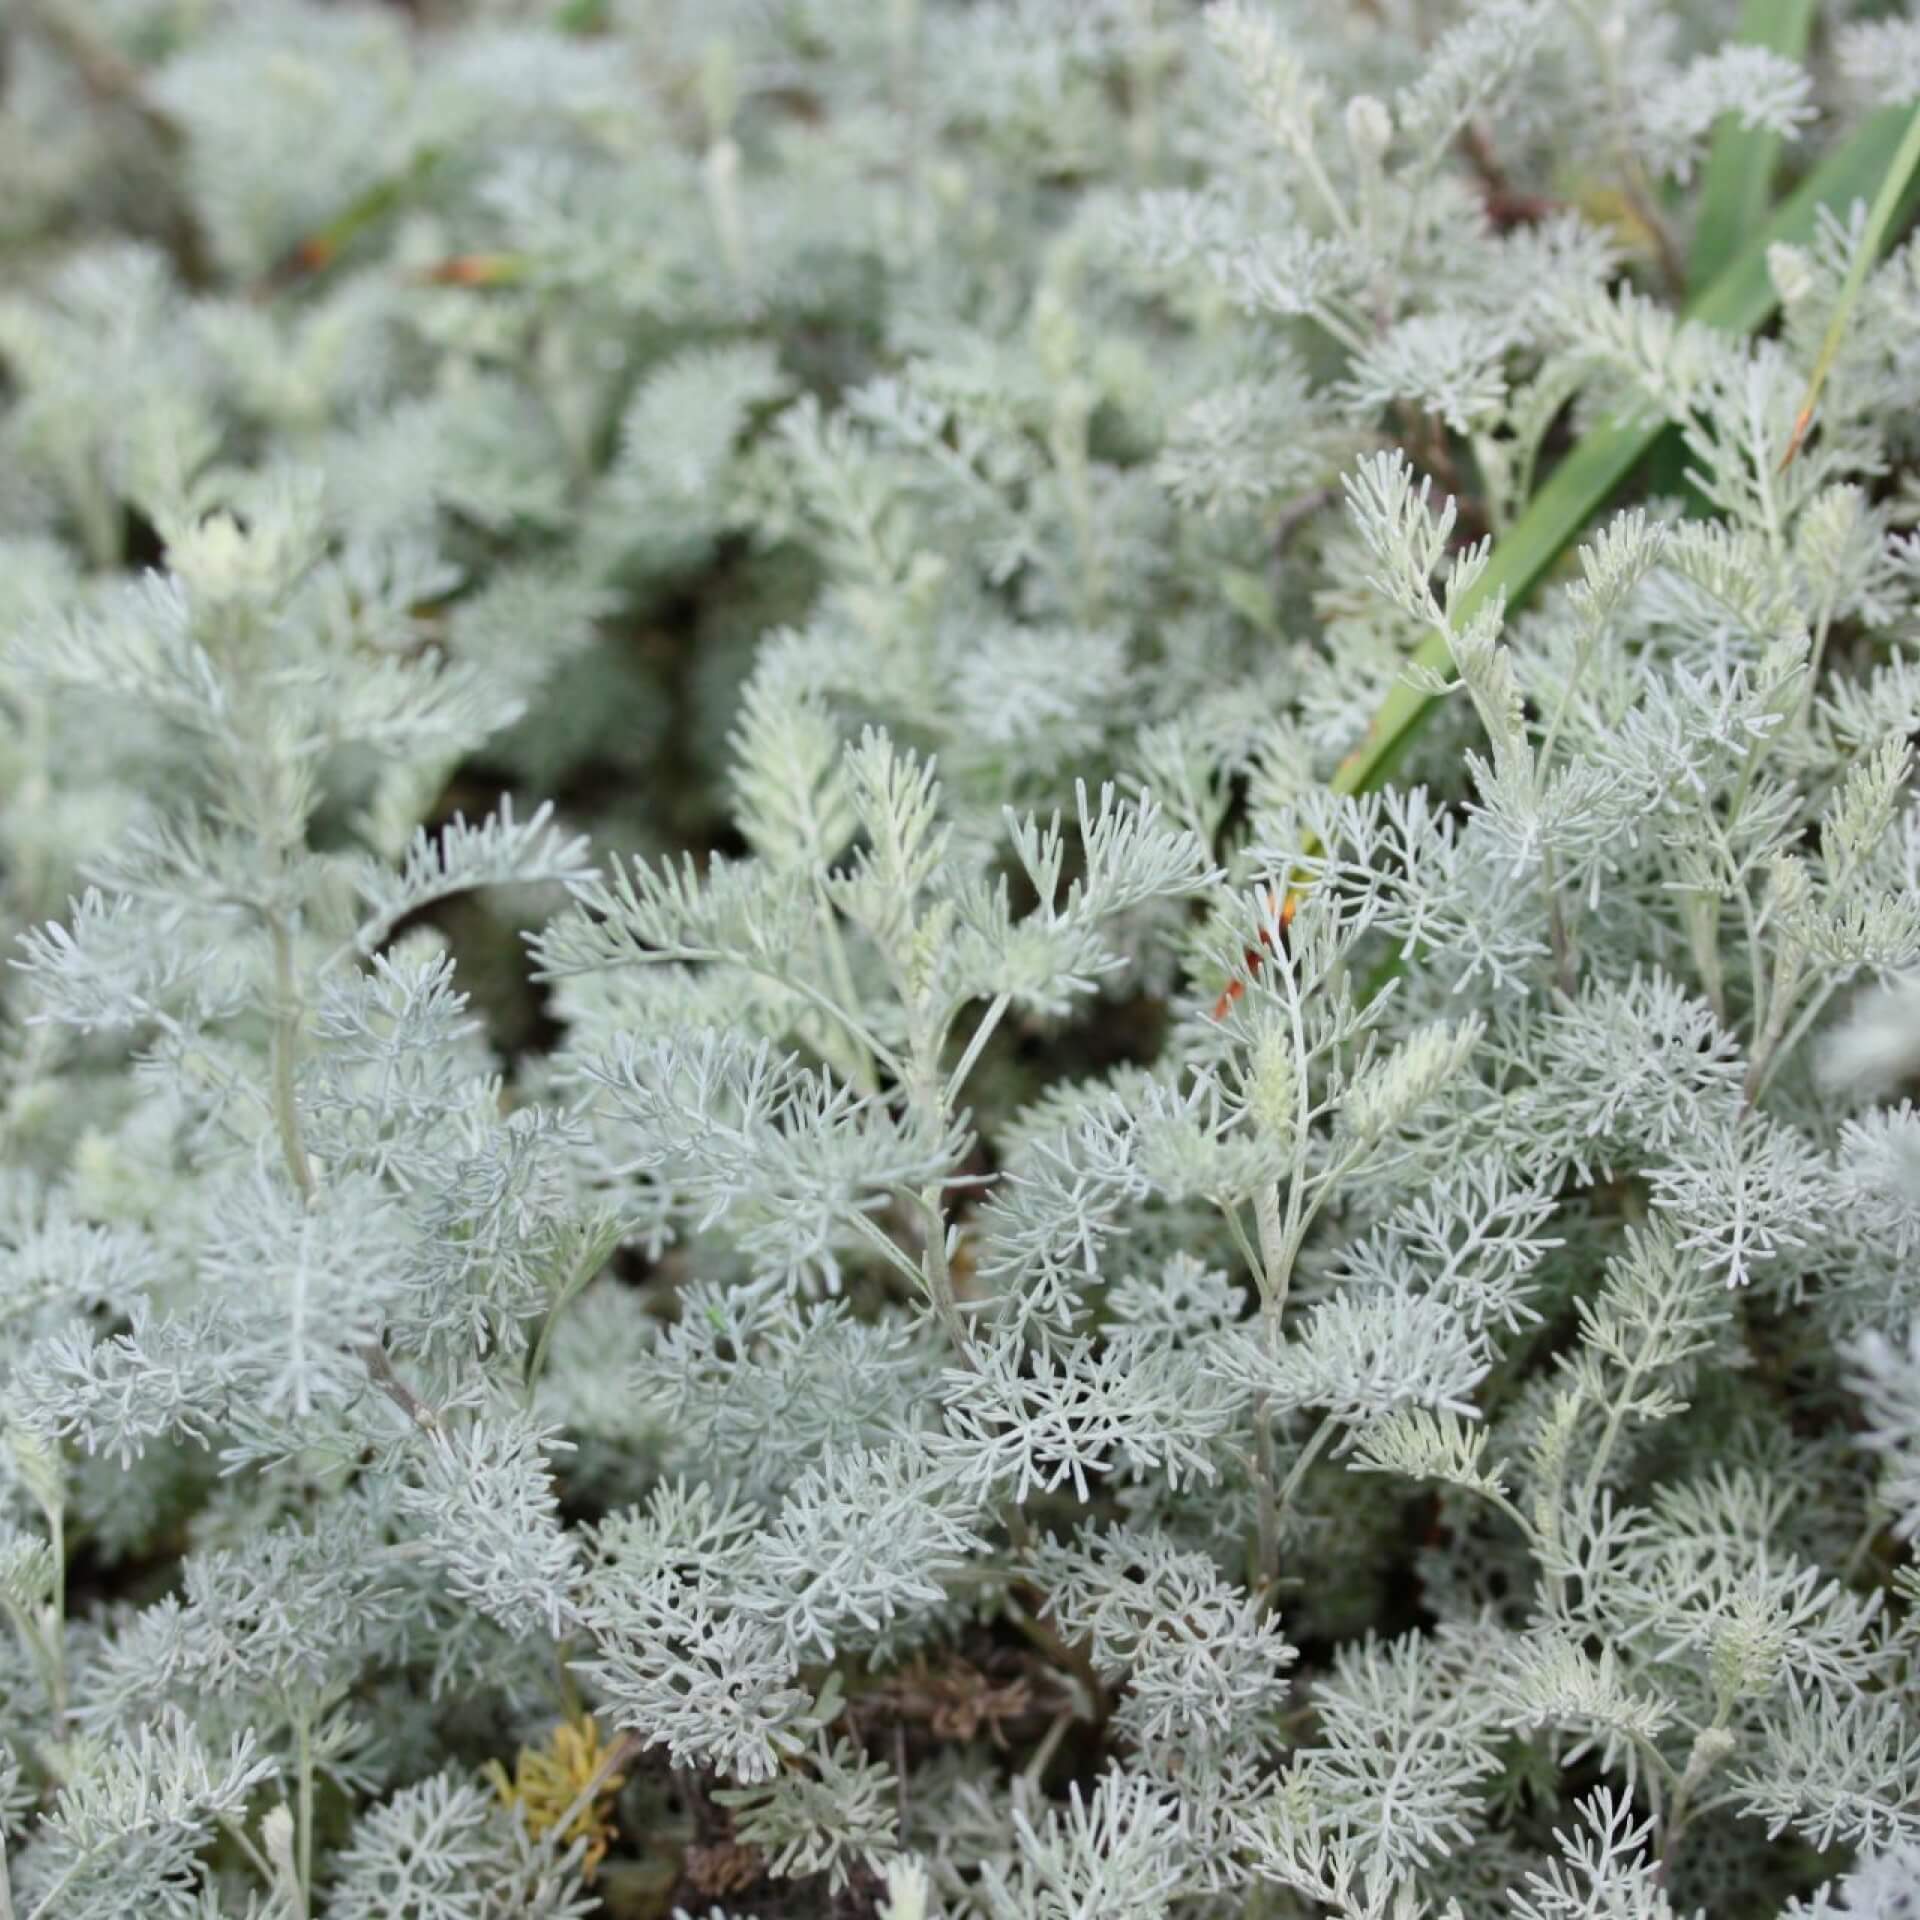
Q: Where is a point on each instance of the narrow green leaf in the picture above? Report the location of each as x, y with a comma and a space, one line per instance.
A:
321, 248
1738, 184
1879, 223
1739, 300
1735, 193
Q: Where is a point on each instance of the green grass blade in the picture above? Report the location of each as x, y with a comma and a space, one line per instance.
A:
1736, 192
1879, 220
1738, 184
321, 248
1739, 300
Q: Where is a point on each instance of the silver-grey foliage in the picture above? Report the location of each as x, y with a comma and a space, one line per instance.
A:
1050, 1315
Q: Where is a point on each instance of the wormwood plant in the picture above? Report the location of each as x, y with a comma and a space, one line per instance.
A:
1105, 1281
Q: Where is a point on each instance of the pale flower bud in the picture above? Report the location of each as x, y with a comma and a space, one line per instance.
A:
1790, 271
220, 560
1273, 1086
1792, 888
1369, 129
276, 1833
906, 1891
1391, 1091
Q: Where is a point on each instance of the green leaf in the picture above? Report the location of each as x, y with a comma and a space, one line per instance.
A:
1739, 179
321, 248
1735, 193
1739, 300
1880, 220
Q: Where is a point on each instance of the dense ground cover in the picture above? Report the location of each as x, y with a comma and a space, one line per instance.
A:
964, 959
